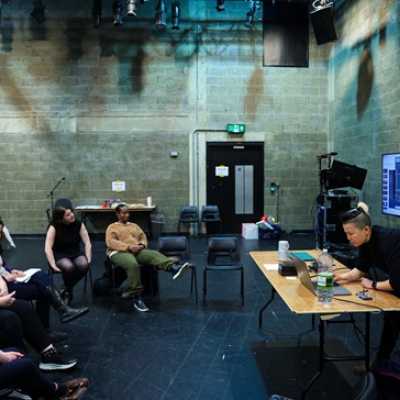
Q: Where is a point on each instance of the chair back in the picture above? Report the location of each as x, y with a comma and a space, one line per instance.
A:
64, 203
174, 246
223, 251
210, 214
369, 390
189, 214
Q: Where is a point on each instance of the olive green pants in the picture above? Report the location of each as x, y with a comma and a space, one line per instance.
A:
131, 264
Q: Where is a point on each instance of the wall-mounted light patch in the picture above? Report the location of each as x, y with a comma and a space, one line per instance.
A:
174, 154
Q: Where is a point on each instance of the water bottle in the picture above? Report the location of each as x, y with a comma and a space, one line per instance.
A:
325, 278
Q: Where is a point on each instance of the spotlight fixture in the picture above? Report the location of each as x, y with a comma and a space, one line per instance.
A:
161, 15
38, 11
220, 5
176, 14
117, 9
131, 8
254, 5
97, 12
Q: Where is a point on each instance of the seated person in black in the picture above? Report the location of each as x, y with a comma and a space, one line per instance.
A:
39, 288
379, 248
19, 372
19, 322
63, 248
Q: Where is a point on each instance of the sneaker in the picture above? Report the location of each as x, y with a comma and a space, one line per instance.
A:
139, 305
54, 361
178, 269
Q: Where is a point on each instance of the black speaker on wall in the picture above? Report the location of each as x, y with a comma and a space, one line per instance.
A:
323, 22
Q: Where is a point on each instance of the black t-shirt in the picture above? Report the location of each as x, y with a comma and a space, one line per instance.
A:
67, 242
382, 252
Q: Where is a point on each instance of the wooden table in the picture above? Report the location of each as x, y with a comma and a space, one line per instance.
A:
86, 212
302, 301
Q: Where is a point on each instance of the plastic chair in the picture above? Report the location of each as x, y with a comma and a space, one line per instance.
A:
210, 215
178, 246
189, 215
369, 390
223, 255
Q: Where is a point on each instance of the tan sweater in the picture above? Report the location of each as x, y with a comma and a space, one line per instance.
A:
120, 236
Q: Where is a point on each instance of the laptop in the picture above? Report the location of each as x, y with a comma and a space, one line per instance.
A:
305, 279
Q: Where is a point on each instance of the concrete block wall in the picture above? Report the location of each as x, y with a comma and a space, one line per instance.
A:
364, 76
98, 105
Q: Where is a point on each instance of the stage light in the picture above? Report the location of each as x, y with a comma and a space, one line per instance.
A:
176, 14
117, 9
97, 12
220, 5
131, 8
161, 15
38, 11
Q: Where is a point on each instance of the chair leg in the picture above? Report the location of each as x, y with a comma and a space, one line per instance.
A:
193, 282
242, 285
204, 285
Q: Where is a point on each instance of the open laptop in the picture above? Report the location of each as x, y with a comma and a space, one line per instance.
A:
305, 279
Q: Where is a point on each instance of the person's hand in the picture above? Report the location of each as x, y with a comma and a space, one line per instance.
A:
10, 277
366, 283
7, 300
55, 268
9, 356
135, 248
342, 277
18, 273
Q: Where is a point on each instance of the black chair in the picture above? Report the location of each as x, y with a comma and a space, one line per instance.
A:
88, 277
210, 216
178, 246
189, 215
369, 390
223, 255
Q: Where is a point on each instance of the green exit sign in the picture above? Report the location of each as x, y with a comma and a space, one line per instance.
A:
236, 128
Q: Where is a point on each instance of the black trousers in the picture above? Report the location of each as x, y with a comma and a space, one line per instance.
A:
23, 374
390, 334
20, 321
36, 290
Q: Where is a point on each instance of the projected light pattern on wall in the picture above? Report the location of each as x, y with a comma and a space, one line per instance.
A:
391, 184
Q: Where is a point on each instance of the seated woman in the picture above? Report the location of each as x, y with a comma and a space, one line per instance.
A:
19, 322
39, 288
19, 372
63, 248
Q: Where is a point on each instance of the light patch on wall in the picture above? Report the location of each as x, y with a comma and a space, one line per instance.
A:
365, 81
255, 90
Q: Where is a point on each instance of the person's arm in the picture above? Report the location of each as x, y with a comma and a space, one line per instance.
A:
9, 356
141, 237
112, 241
48, 248
8, 237
349, 276
86, 242
6, 300
385, 286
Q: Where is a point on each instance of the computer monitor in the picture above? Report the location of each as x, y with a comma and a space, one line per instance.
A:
391, 184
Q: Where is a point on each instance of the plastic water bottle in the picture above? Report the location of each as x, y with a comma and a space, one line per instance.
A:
325, 278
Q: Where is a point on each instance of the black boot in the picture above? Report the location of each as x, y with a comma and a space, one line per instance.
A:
65, 312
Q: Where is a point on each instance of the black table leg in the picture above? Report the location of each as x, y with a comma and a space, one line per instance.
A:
260, 314
367, 340
321, 359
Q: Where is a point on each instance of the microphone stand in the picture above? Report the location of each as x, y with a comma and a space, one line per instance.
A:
52, 191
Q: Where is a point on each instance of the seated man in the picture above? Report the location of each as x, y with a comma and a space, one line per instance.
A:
127, 248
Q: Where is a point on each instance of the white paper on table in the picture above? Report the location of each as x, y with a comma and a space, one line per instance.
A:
291, 277
118, 186
28, 275
271, 267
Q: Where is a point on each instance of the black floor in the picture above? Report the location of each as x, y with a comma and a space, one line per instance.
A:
181, 351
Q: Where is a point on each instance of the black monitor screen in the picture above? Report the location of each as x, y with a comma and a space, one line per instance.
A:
391, 184
345, 175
